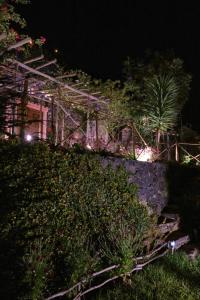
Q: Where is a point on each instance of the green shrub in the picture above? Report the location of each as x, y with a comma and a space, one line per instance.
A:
62, 217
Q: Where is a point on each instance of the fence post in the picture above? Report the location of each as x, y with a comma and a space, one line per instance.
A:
176, 152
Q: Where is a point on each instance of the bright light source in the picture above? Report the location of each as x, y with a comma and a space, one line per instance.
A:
173, 243
144, 154
56, 50
88, 146
29, 138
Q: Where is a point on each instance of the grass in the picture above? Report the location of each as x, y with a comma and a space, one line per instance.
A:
174, 277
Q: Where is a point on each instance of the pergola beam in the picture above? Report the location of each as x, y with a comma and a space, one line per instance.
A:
46, 64
33, 59
70, 88
19, 44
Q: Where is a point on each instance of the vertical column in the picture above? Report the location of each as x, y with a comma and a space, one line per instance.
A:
176, 152
24, 101
56, 124
44, 125
52, 122
88, 129
41, 122
168, 148
133, 139
97, 131
62, 129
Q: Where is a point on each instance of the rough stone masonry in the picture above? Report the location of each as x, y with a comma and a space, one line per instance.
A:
149, 177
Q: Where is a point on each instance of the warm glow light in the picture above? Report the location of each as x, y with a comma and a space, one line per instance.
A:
56, 50
144, 154
29, 138
88, 146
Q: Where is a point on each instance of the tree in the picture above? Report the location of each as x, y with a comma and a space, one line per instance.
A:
158, 88
161, 108
9, 17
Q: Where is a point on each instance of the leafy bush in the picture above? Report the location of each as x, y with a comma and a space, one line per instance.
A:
173, 277
62, 217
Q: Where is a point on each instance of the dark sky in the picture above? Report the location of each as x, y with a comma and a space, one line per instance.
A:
97, 35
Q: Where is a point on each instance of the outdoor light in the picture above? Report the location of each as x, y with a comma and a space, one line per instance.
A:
29, 138
145, 154
172, 245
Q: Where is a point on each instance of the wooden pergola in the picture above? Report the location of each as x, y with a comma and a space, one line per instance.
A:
63, 95
71, 111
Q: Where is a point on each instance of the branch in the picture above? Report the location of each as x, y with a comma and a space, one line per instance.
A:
152, 253
60, 294
81, 282
137, 268
98, 286
179, 242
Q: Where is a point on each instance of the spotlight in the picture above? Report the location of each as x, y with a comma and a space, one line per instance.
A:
29, 138
172, 245
88, 146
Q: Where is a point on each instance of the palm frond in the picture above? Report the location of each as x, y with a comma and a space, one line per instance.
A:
161, 106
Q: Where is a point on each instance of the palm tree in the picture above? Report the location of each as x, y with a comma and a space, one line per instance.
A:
161, 107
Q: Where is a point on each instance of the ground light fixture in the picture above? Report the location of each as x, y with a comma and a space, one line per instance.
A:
172, 245
29, 137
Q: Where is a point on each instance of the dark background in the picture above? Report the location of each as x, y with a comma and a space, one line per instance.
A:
97, 36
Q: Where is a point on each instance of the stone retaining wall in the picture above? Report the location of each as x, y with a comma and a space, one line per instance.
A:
149, 177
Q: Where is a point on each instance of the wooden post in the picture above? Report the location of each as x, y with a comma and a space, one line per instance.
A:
23, 110
13, 108
97, 132
133, 140
158, 141
56, 124
88, 129
41, 122
52, 121
176, 152
62, 129
168, 148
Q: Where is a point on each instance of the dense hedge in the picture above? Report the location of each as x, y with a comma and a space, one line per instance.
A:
62, 216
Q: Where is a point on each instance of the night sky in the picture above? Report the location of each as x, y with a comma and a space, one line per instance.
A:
97, 35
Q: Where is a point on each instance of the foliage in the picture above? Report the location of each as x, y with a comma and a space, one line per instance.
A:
63, 216
10, 23
118, 115
148, 80
137, 71
173, 277
160, 106
8, 15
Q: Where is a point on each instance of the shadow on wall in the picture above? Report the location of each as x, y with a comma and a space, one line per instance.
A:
184, 196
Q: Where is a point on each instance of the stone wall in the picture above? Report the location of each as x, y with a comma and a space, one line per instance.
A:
149, 177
